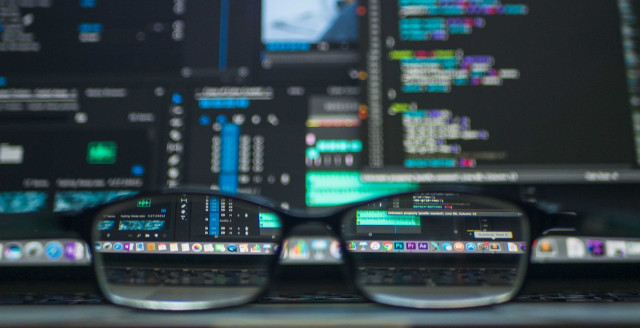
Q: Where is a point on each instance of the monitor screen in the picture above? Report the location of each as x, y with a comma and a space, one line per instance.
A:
311, 103
501, 91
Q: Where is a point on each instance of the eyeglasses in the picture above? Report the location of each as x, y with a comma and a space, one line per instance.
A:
192, 251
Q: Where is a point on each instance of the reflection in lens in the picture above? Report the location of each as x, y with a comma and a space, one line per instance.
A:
184, 252
438, 250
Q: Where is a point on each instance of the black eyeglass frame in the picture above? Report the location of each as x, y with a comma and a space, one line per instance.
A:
537, 222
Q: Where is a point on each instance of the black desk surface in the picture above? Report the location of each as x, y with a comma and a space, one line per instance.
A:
513, 314
328, 315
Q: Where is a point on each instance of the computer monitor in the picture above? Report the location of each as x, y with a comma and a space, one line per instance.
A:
312, 103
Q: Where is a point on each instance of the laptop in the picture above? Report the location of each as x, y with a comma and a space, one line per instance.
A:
317, 104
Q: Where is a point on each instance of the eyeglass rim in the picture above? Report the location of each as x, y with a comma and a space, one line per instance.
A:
348, 262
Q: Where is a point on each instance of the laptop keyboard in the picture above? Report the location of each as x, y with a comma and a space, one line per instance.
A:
371, 275
437, 277
580, 297
318, 297
51, 299
191, 277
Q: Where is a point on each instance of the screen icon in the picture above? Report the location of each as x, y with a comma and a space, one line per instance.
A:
196, 247
459, 247
495, 247
285, 249
470, 247
117, 246
255, 248
107, 246
616, 248
208, 248
546, 247
244, 248
447, 247
512, 248
596, 247
387, 245
144, 203
151, 247
300, 250
576, 248
232, 248
101, 152
54, 250
185, 247
139, 247
319, 244
411, 246
33, 250
335, 250
423, 246
13, 252
633, 248
75, 251
173, 247
522, 246
483, 246
162, 247
398, 245
11, 154
137, 170
219, 248
375, 246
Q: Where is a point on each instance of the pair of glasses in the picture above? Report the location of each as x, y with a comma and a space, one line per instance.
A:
193, 251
